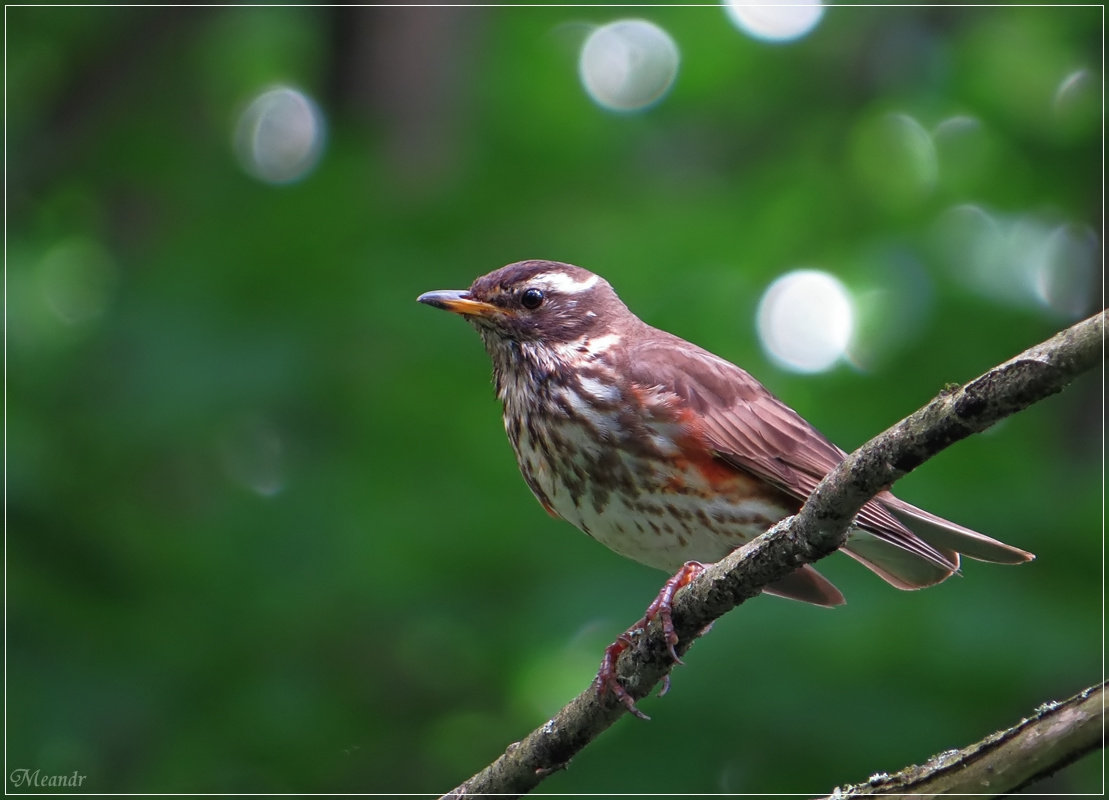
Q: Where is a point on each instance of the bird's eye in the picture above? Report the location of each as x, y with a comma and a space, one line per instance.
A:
531, 299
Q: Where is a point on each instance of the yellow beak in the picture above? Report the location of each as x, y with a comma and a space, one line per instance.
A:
458, 302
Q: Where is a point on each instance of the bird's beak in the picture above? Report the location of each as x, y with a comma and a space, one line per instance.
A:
458, 301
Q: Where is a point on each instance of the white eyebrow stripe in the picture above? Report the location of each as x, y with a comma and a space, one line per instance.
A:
563, 283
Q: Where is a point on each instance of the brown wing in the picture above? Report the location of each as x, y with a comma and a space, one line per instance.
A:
752, 430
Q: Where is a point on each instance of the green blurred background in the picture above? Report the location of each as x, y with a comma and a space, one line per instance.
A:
265, 532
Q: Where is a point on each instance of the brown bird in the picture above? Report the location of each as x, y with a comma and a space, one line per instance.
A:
666, 453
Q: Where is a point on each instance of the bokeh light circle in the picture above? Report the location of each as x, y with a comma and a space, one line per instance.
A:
1065, 274
628, 65
805, 320
780, 21
1023, 260
78, 278
895, 159
280, 135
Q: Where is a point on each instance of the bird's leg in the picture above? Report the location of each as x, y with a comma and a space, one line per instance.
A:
664, 603
659, 608
606, 675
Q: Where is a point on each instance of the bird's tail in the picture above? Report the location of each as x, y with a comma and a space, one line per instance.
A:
905, 569
944, 534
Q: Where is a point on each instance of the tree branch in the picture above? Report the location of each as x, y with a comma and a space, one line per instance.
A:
817, 530
1055, 735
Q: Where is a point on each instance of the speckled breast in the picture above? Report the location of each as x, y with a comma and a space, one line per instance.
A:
631, 474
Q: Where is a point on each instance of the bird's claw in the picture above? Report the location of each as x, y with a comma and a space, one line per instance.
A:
660, 608
606, 676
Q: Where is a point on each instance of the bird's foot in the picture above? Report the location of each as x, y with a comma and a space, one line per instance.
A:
660, 608
606, 676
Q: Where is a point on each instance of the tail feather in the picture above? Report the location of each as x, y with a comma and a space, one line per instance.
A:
905, 546
910, 548
808, 586
896, 565
945, 535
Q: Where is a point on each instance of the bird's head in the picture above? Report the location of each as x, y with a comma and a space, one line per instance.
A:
546, 303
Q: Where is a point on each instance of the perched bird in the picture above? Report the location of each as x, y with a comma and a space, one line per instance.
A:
666, 453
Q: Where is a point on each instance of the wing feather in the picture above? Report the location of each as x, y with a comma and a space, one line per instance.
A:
751, 430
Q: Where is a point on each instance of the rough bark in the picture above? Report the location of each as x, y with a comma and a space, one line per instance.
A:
1054, 735
817, 530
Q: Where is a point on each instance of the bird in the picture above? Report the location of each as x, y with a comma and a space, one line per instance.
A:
666, 453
